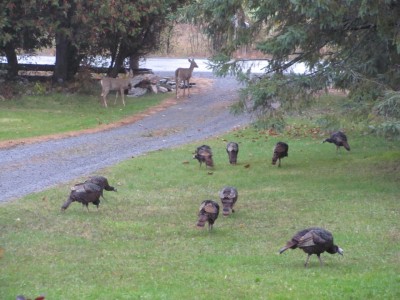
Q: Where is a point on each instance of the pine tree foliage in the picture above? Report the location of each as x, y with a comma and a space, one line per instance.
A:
345, 44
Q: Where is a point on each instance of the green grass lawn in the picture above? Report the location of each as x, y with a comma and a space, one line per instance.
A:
59, 112
143, 243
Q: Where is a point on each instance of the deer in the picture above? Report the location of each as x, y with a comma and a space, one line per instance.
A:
115, 84
184, 74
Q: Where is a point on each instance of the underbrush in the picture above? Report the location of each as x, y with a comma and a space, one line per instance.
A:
336, 111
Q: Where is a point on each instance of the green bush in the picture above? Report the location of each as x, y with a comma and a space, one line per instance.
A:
389, 107
387, 129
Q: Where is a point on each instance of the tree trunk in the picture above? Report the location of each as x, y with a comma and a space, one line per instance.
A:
61, 65
134, 62
67, 59
12, 60
119, 62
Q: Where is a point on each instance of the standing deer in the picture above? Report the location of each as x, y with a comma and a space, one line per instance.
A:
183, 75
115, 84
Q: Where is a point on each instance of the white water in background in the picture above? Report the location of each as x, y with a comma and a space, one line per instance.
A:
159, 64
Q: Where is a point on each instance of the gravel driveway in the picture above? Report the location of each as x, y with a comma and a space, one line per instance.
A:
34, 167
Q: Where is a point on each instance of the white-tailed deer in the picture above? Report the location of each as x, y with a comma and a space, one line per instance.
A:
183, 75
115, 84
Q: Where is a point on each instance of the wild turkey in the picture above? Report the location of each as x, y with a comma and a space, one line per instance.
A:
208, 212
102, 182
339, 139
313, 240
228, 196
232, 149
88, 191
280, 151
84, 193
204, 154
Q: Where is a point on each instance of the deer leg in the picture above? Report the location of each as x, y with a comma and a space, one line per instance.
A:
123, 98
178, 84
116, 97
176, 87
105, 99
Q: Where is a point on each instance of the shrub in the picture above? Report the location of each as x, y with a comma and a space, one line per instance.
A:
389, 111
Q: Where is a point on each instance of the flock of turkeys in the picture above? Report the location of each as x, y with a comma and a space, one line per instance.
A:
312, 240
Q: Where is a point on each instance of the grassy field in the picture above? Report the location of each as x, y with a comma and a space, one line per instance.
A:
142, 243
39, 115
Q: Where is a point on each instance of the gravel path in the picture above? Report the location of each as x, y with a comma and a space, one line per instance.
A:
35, 167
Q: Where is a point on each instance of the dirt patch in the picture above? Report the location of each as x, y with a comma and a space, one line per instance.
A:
202, 86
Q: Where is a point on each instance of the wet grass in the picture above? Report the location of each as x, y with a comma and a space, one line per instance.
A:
142, 243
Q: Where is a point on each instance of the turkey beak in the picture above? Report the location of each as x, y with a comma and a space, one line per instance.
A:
340, 251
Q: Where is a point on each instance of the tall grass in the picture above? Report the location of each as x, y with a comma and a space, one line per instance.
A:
142, 243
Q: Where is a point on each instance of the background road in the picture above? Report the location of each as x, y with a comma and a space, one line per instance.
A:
34, 167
